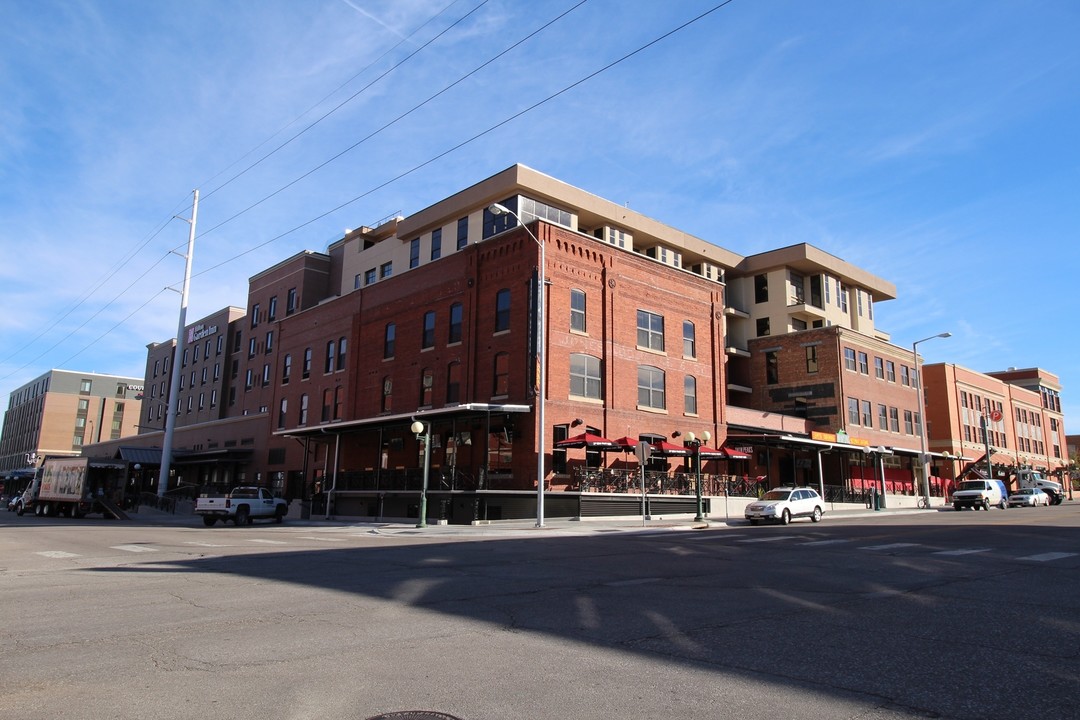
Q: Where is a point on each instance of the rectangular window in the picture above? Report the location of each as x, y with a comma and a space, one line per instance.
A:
290, 302
867, 417
454, 335
849, 359
909, 423
341, 354
763, 328
650, 330
453, 383
842, 296
386, 270
501, 380
436, 243
271, 313
798, 288
918, 424
427, 338
254, 318
890, 371
577, 310
369, 276
414, 253
811, 358
761, 288
389, 340
853, 411
462, 233
815, 291
327, 403
269, 342
283, 409
894, 419
772, 367
331, 355
286, 368
864, 364
879, 368
305, 370
502, 310
882, 417
303, 409
904, 380
339, 399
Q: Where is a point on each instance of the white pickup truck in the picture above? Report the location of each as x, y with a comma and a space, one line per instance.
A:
242, 506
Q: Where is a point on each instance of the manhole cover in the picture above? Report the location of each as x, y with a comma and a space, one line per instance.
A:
414, 715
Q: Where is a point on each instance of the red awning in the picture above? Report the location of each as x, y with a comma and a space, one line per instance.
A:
735, 454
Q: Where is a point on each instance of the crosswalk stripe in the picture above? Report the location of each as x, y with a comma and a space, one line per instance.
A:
133, 548
1044, 557
267, 542
769, 539
204, 544
826, 542
56, 554
965, 551
890, 546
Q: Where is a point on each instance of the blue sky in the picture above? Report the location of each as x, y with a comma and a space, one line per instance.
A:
934, 144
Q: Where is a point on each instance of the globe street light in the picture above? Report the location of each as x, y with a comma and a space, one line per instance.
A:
541, 361
924, 456
423, 433
695, 442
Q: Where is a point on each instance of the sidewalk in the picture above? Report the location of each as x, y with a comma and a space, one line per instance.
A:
518, 528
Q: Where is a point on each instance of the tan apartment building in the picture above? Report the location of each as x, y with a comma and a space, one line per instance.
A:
60, 412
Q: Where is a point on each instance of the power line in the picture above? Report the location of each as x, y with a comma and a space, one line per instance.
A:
472, 139
397, 119
346, 101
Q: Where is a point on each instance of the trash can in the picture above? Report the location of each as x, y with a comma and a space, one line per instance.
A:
875, 498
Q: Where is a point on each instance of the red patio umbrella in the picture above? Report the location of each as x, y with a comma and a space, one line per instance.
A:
708, 453
627, 443
588, 441
733, 454
666, 449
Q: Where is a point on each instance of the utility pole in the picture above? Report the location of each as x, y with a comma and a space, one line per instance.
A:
171, 409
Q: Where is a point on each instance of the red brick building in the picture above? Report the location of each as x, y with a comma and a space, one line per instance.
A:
650, 334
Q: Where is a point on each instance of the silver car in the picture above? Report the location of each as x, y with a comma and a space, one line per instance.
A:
1029, 497
782, 504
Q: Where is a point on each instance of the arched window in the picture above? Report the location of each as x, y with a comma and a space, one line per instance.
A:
651, 387
585, 376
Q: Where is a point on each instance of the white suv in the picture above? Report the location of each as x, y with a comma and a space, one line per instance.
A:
783, 504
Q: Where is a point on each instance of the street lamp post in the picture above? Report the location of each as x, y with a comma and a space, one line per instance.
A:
423, 433
541, 353
695, 442
924, 455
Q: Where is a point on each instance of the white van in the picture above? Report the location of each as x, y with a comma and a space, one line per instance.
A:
977, 494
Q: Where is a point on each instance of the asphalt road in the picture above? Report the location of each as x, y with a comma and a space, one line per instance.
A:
972, 615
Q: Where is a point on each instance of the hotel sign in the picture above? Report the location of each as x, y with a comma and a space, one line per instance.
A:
198, 332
